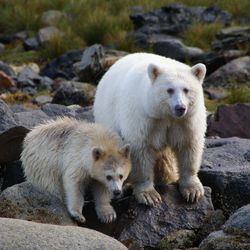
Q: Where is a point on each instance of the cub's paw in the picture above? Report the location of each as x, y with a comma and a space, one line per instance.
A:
150, 197
106, 214
191, 189
77, 216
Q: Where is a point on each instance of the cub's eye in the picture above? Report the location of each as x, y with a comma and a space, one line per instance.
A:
109, 178
120, 176
185, 90
170, 91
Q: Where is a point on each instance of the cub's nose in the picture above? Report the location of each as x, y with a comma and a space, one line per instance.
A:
180, 110
117, 193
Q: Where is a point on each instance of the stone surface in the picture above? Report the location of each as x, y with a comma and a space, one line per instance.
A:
57, 110
22, 235
42, 99
51, 17
233, 73
22, 35
235, 233
24, 201
31, 44
48, 33
226, 170
230, 120
7, 69
5, 81
90, 68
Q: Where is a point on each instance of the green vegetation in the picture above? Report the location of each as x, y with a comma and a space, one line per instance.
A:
97, 21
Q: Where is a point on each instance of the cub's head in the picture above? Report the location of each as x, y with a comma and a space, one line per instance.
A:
111, 168
174, 91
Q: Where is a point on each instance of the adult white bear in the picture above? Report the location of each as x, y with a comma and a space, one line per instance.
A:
154, 103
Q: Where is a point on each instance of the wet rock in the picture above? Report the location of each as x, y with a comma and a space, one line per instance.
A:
20, 234
62, 67
51, 17
225, 169
230, 120
90, 68
235, 72
42, 99
24, 201
12, 173
236, 37
48, 33
5, 81
31, 44
74, 93
235, 233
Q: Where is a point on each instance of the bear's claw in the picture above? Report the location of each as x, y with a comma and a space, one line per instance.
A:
151, 197
106, 215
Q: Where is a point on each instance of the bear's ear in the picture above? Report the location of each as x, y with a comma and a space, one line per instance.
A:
153, 71
97, 153
125, 150
199, 71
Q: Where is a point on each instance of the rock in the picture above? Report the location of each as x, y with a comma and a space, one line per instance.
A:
31, 44
19, 234
51, 17
48, 33
74, 93
235, 72
16, 108
236, 37
225, 169
90, 68
12, 174
24, 201
42, 99
230, 120
173, 48
181, 239
235, 233
5, 81
7, 69
6, 39
56, 110
85, 113
2, 48
215, 93
173, 19
22, 35
31, 118
62, 67
147, 226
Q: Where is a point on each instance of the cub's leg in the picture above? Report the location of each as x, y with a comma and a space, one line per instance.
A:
102, 197
189, 159
74, 196
142, 177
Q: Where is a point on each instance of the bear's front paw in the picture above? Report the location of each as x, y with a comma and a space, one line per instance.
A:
150, 197
77, 216
106, 214
191, 189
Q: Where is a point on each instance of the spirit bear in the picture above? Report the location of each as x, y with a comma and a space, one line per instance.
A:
156, 104
65, 156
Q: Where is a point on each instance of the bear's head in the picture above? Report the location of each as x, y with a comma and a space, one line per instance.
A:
174, 91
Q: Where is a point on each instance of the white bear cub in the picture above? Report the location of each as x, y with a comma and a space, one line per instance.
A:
156, 103
65, 156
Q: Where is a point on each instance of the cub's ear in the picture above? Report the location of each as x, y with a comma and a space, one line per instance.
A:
199, 71
125, 150
97, 153
153, 71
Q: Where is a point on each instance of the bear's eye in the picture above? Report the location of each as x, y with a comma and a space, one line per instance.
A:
109, 177
120, 176
185, 90
170, 91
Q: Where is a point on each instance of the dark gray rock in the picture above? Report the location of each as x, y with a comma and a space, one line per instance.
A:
31, 44
24, 201
226, 170
7, 69
22, 235
90, 68
22, 35
235, 233
230, 120
57, 110
236, 72
85, 113
215, 93
16, 108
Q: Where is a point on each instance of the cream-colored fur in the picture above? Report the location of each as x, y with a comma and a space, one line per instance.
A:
65, 156
156, 103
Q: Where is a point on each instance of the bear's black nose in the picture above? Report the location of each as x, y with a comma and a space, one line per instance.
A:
180, 110
116, 193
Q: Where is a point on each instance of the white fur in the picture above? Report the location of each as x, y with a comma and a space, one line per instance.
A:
132, 98
65, 156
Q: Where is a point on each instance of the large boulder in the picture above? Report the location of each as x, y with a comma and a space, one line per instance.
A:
235, 233
226, 169
230, 120
22, 235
